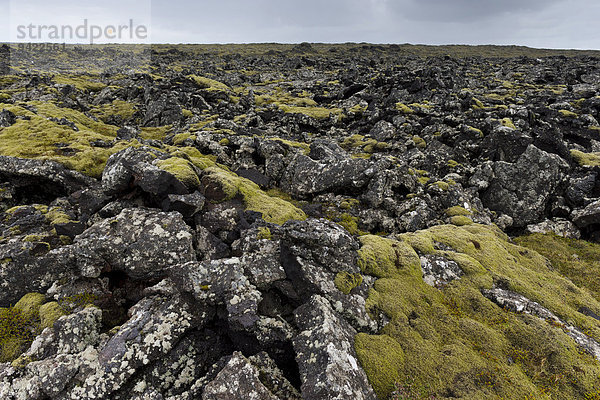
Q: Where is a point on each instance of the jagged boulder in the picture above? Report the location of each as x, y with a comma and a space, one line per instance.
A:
522, 189
325, 354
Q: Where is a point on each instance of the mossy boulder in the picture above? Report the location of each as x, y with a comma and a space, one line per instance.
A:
19, 325
220, 185
454, 340
49, 314
30, 304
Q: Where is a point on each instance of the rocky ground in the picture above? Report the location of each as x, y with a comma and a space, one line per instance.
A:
308, 221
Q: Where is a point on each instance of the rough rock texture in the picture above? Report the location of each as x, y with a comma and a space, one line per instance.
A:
142, 243
438, 271
328, 364
47, 178
524, 199
299, 221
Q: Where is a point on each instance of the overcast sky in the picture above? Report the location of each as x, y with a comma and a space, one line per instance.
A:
536, 23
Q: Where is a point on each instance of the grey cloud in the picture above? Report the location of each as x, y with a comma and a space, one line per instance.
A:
467, 11
540, 23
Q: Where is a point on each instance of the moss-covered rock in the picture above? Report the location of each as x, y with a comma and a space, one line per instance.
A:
49, 314
229, 185
346, 281
586, 159
41, 138
455, 341
264, 233
18, 325
460, 220
382, 359
30, 304
180, 169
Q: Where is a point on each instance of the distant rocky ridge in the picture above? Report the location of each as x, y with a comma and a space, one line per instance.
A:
299, 222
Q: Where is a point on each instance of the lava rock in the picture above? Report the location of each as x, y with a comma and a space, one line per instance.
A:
523, 189
325, 354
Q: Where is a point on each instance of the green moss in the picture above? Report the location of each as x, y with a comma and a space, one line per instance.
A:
457, 341
404, 109
568, 114
586, 159
79, 300
49, 314
314, 112
352, 142
40, 138
193, 155
181, 169
357, 109
457, 210
476, 131
349, 204
19, 325
21, 362
383, 257
305, 147
577, 260
350, 223
273, 209
182, 137
264, 233
460, 220
224, 142
346, 281
155, 133
280, 97
382, 358
82, 82
423, 180
508, 123
187, 113
120, 108
29, 305
453, 164
442, 185
57, 216
209, 84
32, 238
419, 142
478, 104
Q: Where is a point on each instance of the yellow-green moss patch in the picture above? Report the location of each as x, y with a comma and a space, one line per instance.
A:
457, 341
586, 159
209, 84
49, 314
273, 209
30, 304
404, 109
457, 210
264, 233
81, 82
508, 123
460, 220
568, 114
119, 108
314, 112
346, 281
40, 138
181, 169
382, 359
